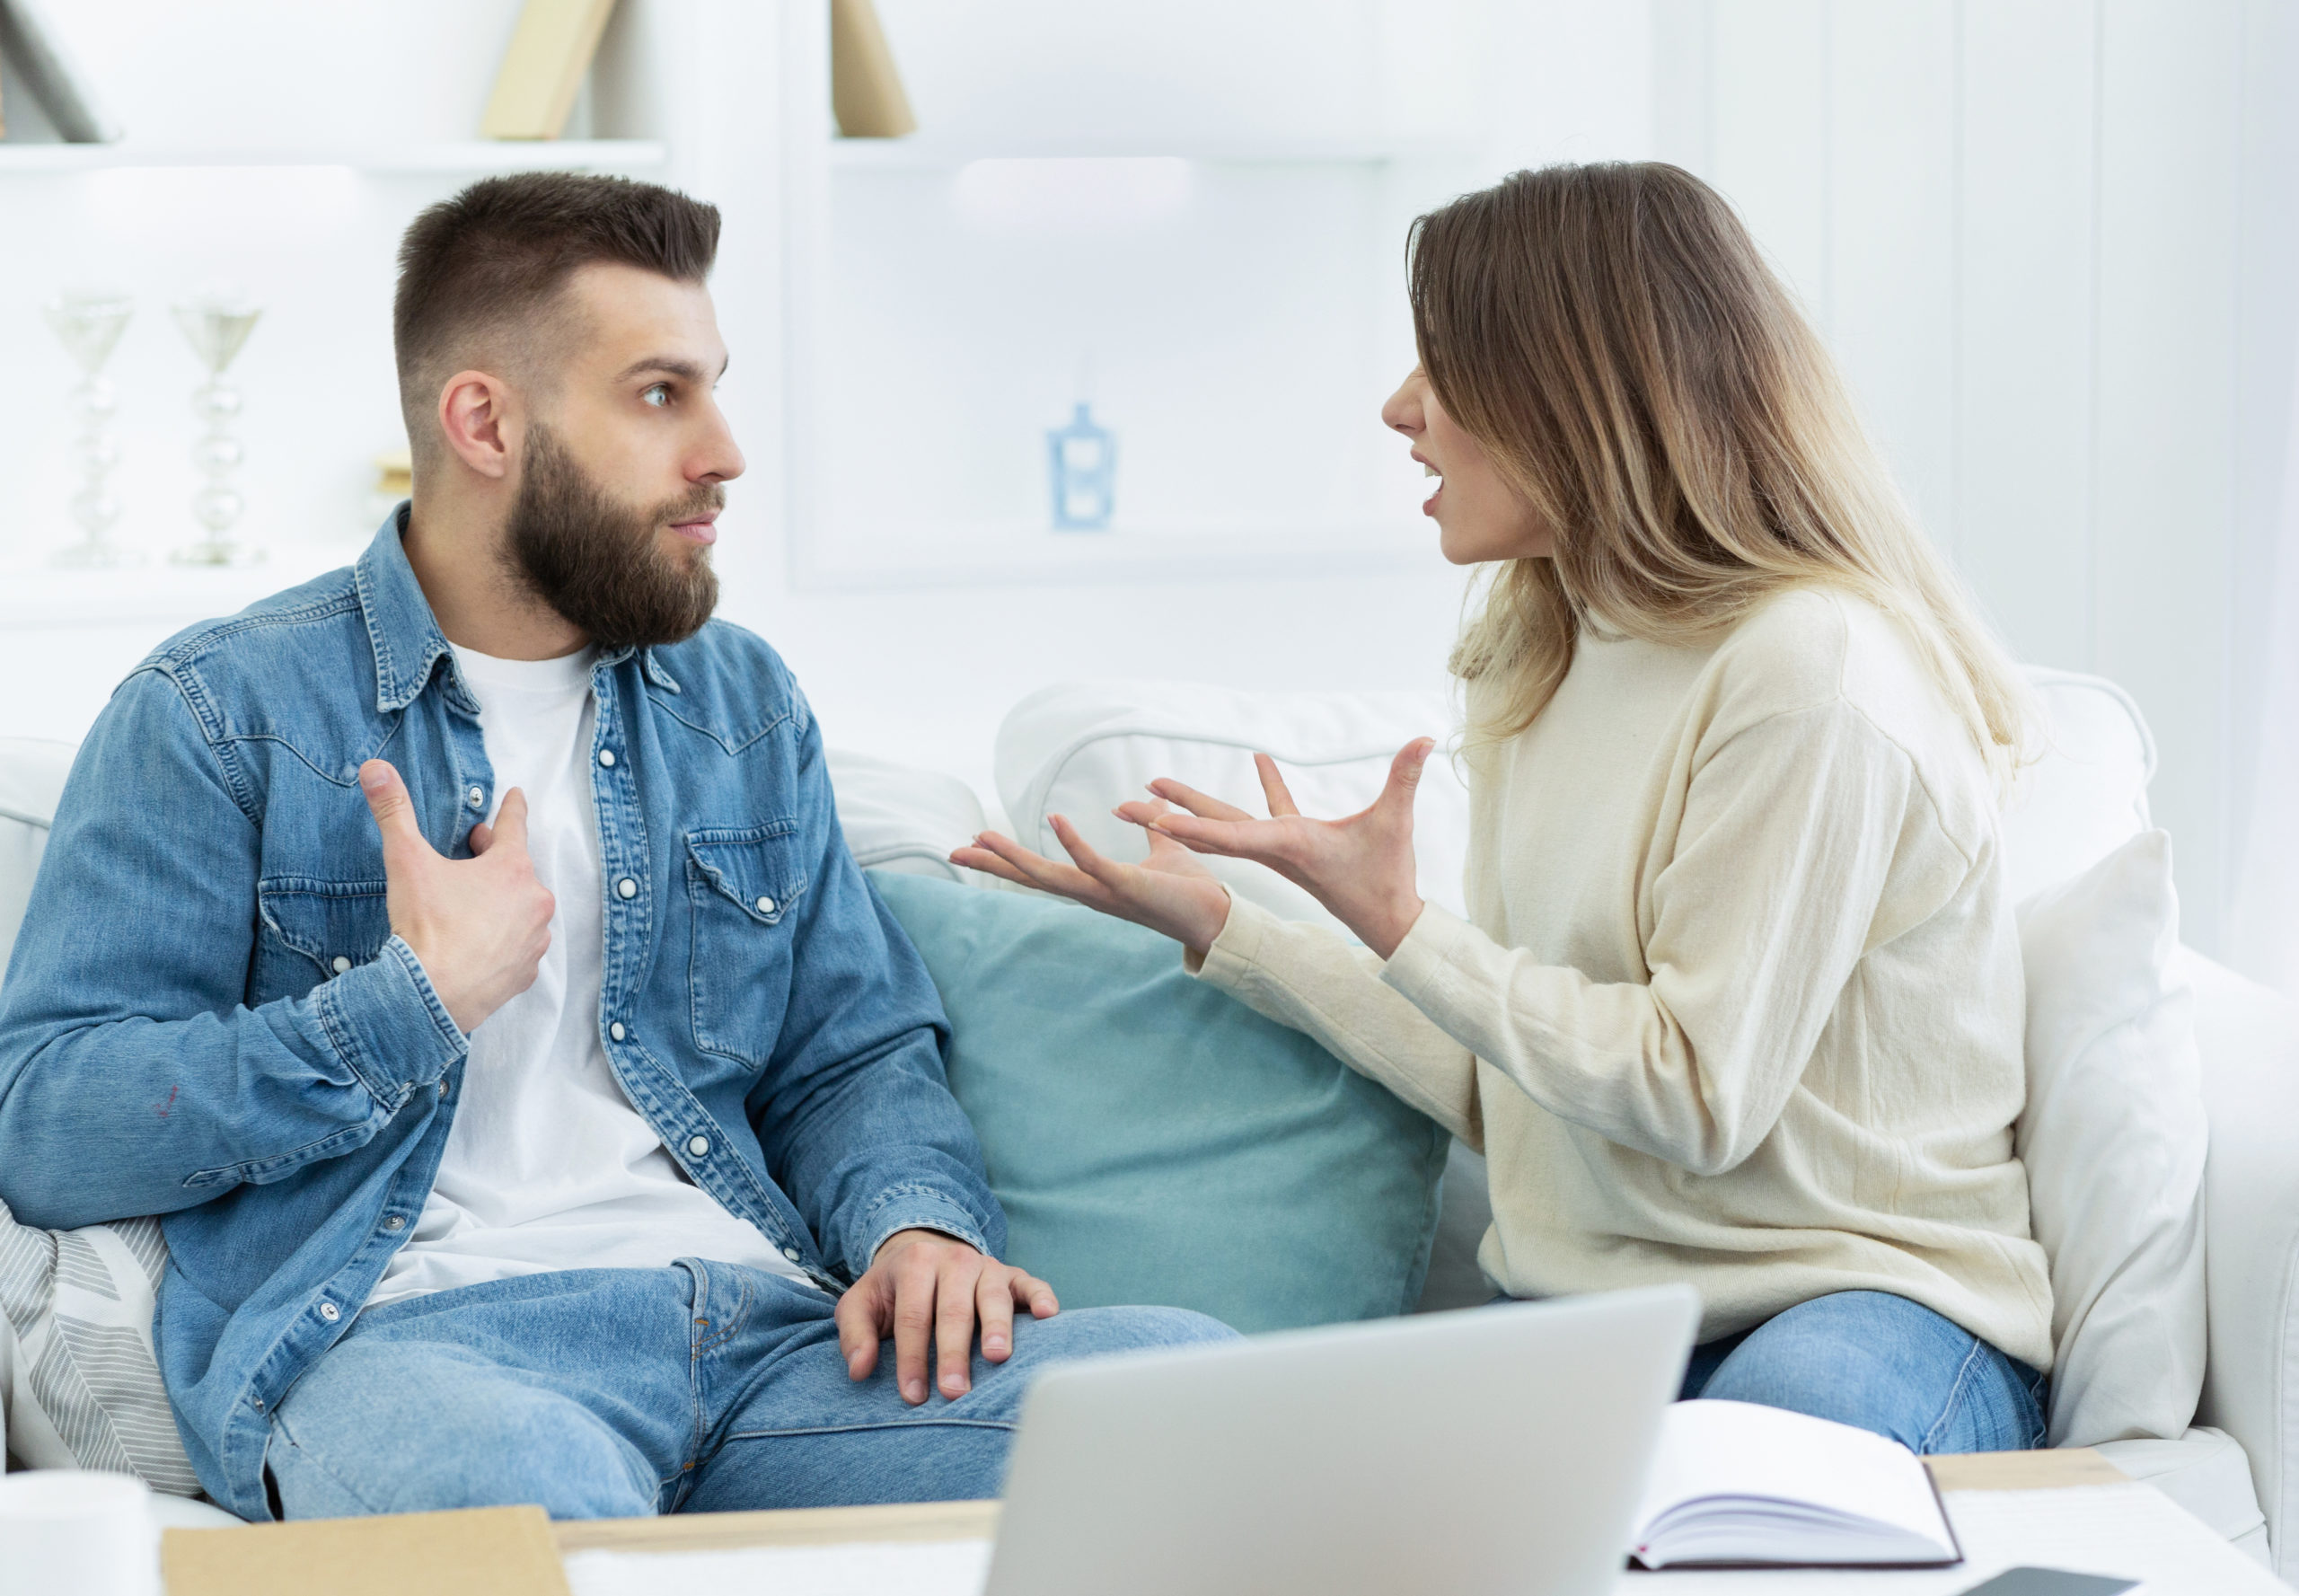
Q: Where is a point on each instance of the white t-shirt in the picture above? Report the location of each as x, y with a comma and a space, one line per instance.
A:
548, 1166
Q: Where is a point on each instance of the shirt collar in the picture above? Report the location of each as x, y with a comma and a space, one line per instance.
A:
406, 637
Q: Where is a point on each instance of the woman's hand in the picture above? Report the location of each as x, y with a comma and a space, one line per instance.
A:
1359, 867
1169, 892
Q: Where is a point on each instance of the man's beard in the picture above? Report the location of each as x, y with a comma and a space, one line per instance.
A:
596, 562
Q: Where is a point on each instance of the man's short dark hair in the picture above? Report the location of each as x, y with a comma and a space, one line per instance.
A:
496, 256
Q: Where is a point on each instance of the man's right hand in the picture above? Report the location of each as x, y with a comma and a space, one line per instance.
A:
479, 925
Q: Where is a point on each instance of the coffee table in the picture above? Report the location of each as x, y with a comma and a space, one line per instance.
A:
2069, 1509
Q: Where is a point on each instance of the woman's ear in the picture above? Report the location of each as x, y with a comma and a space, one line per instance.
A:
474, 410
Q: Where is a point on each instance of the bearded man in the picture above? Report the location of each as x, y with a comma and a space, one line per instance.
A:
460, 951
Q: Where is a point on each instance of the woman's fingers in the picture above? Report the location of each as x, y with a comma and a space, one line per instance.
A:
1101, 869
988, 864
1404, 774
1272, 787
1196, 802
1034, 869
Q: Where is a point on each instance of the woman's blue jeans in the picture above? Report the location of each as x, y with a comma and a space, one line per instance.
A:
1883, 1364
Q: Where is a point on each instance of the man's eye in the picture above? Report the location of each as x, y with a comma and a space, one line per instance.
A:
658, 396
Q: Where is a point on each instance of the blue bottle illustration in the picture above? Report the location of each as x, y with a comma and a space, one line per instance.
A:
1082, 458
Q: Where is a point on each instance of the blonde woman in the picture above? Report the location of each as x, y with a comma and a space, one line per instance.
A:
1739, 1000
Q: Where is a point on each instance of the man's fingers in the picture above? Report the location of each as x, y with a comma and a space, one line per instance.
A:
913, 1288
1196, 802
1273, 787
1030, 1289
956, 1282
388, 802
511, 822
482, 835
859, 1328
994, 1296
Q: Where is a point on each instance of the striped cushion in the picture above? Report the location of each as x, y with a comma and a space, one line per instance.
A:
78, 1384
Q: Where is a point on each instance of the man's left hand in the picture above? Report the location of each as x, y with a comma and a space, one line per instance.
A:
925, 1285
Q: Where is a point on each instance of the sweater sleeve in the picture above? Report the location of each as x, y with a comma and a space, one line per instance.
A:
1320, 984
1775, 886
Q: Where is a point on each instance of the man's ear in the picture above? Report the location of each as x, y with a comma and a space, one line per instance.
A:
475, 414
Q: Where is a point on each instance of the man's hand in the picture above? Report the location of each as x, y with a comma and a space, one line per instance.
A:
479, 925
925, 1283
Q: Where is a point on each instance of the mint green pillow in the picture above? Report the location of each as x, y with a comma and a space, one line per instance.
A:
1153, 1140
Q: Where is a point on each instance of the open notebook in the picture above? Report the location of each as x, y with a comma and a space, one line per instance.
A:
1733, 1483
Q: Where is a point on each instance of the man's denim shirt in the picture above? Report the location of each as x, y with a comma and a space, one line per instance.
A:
208, 1017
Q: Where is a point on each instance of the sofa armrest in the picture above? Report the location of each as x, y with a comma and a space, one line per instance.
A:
2249, 1038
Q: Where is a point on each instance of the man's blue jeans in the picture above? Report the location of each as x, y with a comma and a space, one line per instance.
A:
1883, 1364
606, 1393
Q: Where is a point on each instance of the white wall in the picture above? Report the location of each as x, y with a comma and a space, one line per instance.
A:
2052, 242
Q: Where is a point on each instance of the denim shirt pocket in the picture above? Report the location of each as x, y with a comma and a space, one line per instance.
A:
742, 885
315, 929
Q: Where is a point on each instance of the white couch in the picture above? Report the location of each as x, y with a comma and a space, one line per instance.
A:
1075, 750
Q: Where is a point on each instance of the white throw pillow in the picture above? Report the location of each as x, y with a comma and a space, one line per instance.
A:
2114, 1140
897, 817
79, 1388
1078, 749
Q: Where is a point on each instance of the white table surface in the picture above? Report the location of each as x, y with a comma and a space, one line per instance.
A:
2131, 1530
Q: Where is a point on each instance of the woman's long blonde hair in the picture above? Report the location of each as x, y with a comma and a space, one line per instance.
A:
1612, 336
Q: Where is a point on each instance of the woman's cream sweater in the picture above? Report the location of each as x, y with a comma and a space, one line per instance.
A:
1740, 1002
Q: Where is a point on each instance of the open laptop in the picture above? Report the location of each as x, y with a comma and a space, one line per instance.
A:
1490, 1449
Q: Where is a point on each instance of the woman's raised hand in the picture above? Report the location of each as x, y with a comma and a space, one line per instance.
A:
1169, 892
1360, 868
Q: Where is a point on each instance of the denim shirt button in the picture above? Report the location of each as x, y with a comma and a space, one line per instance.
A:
339, 963
616, 1031
396, 1223
791, 1253
478, 797
606, 757
699, 1146
766, 905
626, 888
331, 1312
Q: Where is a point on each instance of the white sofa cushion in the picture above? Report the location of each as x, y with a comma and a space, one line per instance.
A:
2249, 1038
2087, 792
1079, 748
897, 817
79, 1386
32, 779
2114, 1138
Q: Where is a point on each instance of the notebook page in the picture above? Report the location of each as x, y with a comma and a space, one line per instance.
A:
1737, 1448
864, 1568
2132, 1532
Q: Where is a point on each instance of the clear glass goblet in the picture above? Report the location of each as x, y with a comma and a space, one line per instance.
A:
88, 323
217, 326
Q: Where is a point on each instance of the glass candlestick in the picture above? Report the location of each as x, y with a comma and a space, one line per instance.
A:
217, 326
89, 325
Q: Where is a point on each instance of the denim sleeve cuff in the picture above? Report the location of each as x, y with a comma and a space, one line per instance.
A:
914, 1208
388, 1025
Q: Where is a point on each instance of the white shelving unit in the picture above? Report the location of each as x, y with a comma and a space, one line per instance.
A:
476, 156
923, 153
1240, 341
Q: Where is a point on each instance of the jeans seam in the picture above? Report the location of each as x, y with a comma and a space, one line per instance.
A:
279, 1427
1955, 1394
879, 1425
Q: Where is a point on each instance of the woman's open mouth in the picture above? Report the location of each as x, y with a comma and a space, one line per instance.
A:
1436, 490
